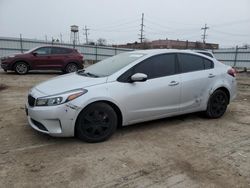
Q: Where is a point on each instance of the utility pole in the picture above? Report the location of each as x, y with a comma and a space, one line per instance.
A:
86, 33
61, 38
142, 29
46, 38
52, 41
21, 43
204, 33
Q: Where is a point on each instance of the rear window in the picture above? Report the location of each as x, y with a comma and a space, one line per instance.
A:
208, 64
190, 63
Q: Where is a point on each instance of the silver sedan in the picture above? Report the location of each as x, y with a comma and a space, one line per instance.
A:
130, 88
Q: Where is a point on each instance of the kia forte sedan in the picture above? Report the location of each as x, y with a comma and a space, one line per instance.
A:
130, 88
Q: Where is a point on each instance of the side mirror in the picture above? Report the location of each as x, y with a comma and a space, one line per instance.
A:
138, 77
34, 53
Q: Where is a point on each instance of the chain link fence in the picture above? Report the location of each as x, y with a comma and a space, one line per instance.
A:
235, 57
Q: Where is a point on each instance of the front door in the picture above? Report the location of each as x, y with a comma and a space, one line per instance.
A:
41, 58
158, 96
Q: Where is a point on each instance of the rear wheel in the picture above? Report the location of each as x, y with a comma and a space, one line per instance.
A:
217, 104
71, 67
96, 123
21, 68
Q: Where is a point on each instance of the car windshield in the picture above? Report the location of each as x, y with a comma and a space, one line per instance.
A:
111, 65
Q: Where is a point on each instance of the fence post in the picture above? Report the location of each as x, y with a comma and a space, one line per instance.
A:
21, 43
96, 53
235, 57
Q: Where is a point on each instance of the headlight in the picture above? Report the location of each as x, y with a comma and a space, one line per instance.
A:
60, 98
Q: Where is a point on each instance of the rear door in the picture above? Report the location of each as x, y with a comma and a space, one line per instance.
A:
58, 57
197, 75
158, 96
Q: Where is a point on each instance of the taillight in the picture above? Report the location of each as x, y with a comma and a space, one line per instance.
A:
232, 72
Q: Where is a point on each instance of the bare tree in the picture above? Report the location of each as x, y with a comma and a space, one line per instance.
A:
102, 42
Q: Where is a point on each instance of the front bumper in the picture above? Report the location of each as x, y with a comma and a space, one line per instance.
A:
6, 63
5, 66
53, 120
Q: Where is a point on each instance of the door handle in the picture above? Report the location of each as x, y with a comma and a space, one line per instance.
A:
173, 83
211, 75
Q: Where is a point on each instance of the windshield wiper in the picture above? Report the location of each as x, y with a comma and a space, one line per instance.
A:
92, 75
84, 73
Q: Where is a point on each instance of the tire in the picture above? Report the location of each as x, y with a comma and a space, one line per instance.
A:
71, 67
21, 68
96, 123
217, 104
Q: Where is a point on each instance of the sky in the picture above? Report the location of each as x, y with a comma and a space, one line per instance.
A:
118, 21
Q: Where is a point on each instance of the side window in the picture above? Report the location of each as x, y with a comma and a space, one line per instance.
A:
56, 50
208, 64
154, 67
190, 63
157, 66
43, 51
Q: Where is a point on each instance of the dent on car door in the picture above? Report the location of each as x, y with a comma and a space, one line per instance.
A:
196, 78
156, 97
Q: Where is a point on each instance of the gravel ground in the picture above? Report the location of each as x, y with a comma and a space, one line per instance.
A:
183, 151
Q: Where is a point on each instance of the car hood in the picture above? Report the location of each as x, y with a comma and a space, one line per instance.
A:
66, 83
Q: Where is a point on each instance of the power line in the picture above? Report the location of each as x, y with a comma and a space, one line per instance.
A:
111, 30
157, 24
231, 23
231, 34
118, 25
204, 33
142, 30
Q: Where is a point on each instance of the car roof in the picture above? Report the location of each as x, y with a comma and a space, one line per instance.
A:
57, 46
203, 51
161, 51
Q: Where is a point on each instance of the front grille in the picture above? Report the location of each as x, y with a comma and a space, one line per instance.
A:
31, 100
39, 125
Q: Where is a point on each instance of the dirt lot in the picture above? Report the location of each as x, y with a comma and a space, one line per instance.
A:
184, 151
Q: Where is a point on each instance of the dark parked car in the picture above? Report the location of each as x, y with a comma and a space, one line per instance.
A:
44, 58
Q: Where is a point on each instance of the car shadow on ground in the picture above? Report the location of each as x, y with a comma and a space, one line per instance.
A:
169, 121
125, 130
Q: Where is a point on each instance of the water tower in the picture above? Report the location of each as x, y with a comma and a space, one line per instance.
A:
74, 36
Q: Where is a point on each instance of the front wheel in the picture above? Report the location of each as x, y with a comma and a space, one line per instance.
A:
21, 68
96, 123
217, 104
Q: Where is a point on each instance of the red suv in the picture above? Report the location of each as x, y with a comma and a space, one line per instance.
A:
44, 58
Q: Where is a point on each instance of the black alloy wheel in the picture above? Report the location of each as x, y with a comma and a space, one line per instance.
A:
217, 104
96, 123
